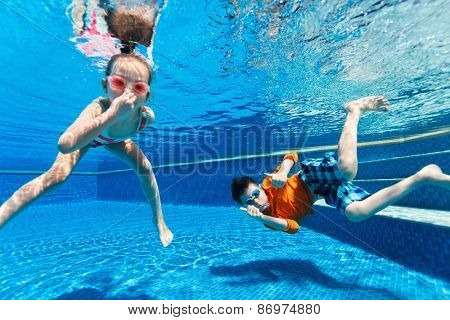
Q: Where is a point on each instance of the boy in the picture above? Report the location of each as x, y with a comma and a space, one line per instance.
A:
280, 202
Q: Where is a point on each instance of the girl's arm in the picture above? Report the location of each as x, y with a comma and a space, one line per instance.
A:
92, 122
86, 128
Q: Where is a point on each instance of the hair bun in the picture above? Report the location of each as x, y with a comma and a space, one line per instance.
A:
127, 47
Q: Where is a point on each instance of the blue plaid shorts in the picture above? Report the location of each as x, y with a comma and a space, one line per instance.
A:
324, 178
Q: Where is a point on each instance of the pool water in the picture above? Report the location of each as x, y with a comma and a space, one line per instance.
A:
219, 73
110, 250
231, 81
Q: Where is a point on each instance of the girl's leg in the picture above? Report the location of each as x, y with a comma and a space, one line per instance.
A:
56, 175
361, 210
77, 10
347, 147
129, 152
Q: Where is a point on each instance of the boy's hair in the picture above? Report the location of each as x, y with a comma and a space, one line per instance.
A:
133, 56
238, 186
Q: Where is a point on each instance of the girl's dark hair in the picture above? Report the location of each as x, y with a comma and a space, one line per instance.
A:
238, 186
131, 55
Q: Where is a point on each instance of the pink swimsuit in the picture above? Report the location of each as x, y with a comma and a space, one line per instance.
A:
96, 41
145, 118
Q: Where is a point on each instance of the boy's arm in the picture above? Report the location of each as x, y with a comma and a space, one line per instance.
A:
280, 224
279, 176
277, 224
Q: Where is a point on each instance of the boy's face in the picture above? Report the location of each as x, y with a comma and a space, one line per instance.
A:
259, 202
132, 71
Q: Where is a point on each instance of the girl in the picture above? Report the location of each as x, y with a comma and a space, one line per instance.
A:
110, 123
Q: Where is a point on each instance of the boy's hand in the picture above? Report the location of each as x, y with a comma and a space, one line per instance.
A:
124, 103
278, 179
253, 212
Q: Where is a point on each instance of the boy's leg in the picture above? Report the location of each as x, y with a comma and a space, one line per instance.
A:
361, 210
29, 192
347, 153
129, 152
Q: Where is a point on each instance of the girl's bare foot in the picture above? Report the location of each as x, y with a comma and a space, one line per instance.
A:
432, 174
372, 103
165, 235
2, 217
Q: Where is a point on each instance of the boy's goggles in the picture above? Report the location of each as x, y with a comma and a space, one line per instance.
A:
255, 194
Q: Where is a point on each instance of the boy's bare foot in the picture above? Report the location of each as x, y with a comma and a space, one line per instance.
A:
372, 103
432, 174
165, 235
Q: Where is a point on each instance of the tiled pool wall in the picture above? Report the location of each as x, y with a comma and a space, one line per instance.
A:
76, 188
28, 166
209, 184
424, 247
420, 246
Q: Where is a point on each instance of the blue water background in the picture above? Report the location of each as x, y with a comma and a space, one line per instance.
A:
219, 72
224, 88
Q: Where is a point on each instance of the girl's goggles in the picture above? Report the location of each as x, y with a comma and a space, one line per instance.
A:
119, 83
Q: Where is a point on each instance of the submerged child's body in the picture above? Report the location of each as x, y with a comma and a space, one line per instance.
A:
98, 24
281, 202
108, 122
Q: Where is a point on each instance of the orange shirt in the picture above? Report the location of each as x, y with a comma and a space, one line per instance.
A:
292, 201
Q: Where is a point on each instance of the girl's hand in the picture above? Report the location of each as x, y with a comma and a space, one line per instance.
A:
123, 104
278, 179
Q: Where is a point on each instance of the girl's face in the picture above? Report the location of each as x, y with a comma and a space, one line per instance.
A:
128, 75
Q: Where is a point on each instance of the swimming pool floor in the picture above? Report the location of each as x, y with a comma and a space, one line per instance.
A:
110, 250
